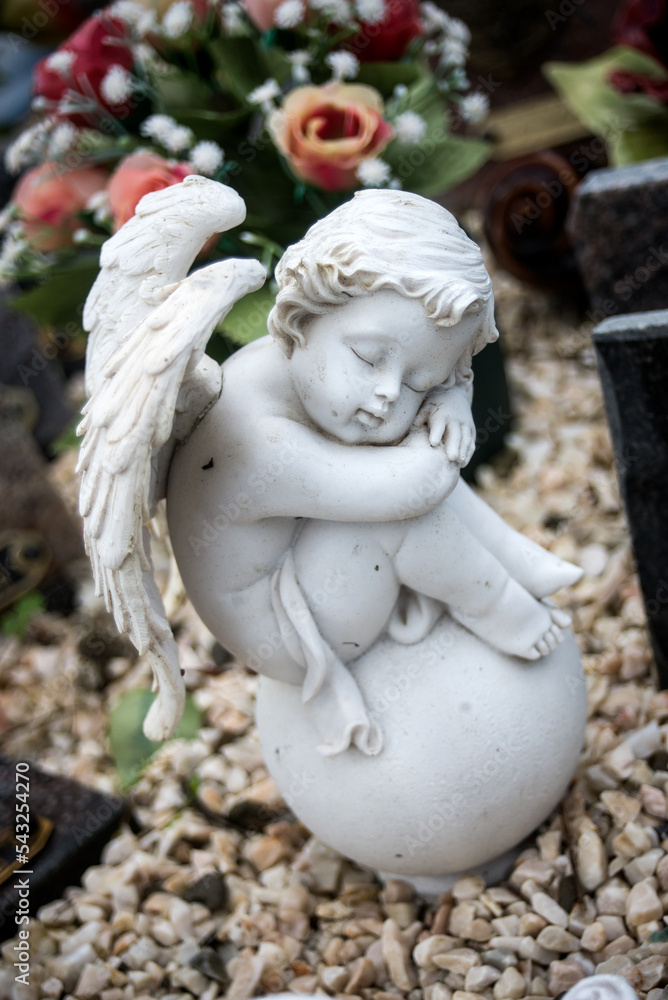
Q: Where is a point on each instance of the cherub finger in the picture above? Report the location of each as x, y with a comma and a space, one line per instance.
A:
453, 442
438, 422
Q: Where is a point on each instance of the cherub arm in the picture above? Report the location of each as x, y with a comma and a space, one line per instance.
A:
330, 481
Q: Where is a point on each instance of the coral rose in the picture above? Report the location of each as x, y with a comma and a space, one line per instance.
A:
48, 200
136, 176
387, 40
326, 132
79, 67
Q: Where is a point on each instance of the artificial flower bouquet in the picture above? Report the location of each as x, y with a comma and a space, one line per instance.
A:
622, 95
294, 103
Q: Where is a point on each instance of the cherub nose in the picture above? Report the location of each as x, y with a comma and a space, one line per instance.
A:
388, 389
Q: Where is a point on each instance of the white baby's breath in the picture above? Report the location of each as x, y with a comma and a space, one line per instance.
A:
410, 127
136, 16
178, 138
62, 139
178, 19
157, 127
60, 62
453, 52
474, 107
28, 148
13, 248
116, 86
457, 29
338, 11
373, 173
232, 16
265, 95
371, 11
435, 20
344, 65
300, 60
207, 158
289, 14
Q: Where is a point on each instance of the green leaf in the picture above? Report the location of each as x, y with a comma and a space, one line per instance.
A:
247, 320
643, 142
436, 163
213, 125
130, 748
241, 66
586, 89
16, 621
385, 76
59, 300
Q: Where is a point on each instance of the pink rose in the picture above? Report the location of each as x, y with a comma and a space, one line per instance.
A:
326, 132
261, 12
48, 200
135, 176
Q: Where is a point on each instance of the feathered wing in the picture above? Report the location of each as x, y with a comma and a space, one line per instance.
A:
152, 251
141, 378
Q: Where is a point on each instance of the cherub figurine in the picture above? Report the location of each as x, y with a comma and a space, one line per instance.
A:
315, 504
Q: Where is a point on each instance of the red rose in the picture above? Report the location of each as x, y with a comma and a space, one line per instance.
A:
48, 200
136, 176
637, 83
387, 40
80, 65
643, 25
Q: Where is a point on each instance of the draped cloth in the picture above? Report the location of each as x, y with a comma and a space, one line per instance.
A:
330, 692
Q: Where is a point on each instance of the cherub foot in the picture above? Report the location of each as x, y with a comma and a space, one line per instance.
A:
518, 624
540, 572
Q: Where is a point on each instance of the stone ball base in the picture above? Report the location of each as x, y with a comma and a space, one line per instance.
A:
479, 748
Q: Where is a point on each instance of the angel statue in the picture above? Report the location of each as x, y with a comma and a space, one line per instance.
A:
314, 498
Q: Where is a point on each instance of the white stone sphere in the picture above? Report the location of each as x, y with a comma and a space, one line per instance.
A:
479, 747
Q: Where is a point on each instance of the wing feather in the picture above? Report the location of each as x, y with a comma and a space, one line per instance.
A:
127, 420
154, 249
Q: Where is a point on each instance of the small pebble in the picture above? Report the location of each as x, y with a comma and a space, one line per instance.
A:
612, 898
591, 860
511, 985
467, 888
547, 907
643, 904
564, 975
594, 937
479, 977
558, 939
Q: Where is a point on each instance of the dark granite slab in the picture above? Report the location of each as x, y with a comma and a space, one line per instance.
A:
632, 355
83, 821
619, 228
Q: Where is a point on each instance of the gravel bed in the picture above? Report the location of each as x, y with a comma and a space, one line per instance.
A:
216, 890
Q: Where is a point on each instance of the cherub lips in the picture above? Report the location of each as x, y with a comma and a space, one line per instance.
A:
369, 419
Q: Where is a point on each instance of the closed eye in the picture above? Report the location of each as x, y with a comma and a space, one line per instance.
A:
365, 360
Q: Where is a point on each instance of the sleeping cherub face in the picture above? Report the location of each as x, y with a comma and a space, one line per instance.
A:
368, 365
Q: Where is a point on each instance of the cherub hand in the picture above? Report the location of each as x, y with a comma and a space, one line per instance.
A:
447, 415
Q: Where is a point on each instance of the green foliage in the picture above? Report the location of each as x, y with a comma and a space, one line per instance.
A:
59, 299
130, 748
67, 441
440, 160
634, 126
247, 320
16, 621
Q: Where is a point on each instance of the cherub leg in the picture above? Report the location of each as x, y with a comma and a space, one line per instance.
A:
441, 557
353, 599
537, 570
